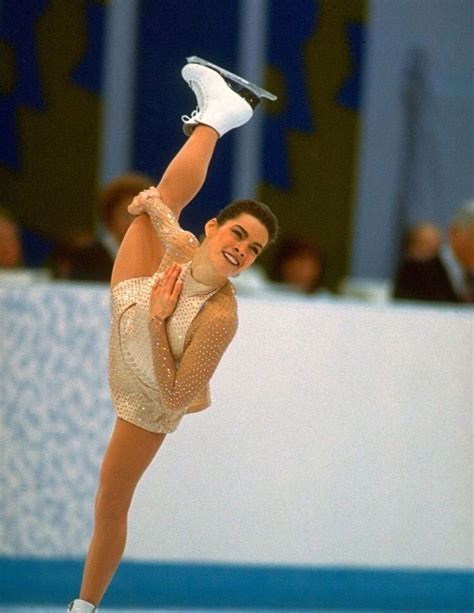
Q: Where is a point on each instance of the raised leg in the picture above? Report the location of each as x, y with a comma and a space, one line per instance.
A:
140, 252
220, 109
130, 451
187, 171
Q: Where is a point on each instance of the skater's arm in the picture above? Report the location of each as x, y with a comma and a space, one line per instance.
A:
179, 385
164, 222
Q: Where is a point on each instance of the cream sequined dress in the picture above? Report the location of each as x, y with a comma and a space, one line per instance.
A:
145, 391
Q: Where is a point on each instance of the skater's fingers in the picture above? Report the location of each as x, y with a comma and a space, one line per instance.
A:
169, 278
173, 271
178, 286
158, 285
136, 207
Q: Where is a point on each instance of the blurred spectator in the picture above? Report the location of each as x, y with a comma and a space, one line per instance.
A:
298, 265
423, 242
446, 276
20, 261
69, 251
11, 250
84, 258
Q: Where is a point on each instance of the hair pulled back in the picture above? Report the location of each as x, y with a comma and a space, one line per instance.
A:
257, 209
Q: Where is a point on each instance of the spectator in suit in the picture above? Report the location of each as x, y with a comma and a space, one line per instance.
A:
442, 275
92, 259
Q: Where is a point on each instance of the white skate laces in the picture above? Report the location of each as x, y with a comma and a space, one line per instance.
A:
191, 121
190, 118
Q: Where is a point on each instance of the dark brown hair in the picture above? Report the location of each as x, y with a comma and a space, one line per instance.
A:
257, 209
292, 247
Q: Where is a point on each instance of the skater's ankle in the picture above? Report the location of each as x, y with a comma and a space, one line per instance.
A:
201, 127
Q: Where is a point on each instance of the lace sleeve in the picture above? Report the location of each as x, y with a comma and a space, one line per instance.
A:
180, 384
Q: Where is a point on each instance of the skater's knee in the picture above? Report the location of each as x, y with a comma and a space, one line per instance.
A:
111, 504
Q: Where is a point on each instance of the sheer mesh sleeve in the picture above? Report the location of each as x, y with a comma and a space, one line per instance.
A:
180, 384
177, 242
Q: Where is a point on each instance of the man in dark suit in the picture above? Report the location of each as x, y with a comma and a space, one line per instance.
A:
445, 276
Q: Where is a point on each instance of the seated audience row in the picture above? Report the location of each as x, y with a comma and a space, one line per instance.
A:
435, 270
431, 269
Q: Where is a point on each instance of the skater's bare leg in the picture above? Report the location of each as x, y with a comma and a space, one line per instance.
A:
140, 252
129, 452
187, 171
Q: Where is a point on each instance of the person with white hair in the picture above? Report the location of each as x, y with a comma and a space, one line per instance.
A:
449, 275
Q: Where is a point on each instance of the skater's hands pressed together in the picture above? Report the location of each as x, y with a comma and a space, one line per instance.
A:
165, 293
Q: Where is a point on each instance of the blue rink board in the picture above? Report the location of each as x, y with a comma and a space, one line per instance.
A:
144, 585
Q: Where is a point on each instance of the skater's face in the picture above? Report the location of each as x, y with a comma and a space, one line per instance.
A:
235, 245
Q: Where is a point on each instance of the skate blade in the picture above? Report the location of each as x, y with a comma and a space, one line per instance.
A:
258, 91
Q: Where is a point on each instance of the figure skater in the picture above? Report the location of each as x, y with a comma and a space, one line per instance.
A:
173, 311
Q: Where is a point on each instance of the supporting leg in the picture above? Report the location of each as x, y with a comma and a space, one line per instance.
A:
130, 451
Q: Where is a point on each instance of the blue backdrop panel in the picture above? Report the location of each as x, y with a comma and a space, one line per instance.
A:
89, 72
27, 88
290, 27
167, 34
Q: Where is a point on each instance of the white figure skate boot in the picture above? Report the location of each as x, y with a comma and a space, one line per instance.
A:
81, 606
225, 101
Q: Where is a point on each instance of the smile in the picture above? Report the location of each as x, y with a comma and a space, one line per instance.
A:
230, 258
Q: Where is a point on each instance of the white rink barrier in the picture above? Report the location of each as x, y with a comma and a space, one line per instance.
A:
339, 435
